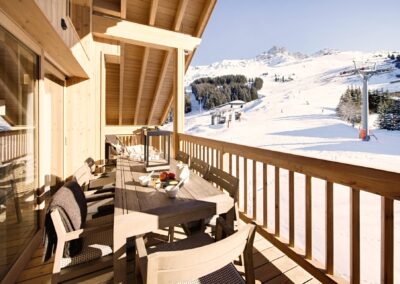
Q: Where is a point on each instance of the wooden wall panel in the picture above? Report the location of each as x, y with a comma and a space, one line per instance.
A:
79, 124
54, 11
112, 93
51, 131
81, 19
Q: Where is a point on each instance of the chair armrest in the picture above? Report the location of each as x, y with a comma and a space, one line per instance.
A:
100, 196
87, 231
140, 246
142, 257
101, 221
222, 229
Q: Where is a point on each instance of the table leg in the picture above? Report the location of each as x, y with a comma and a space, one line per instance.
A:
119, 259
230, 218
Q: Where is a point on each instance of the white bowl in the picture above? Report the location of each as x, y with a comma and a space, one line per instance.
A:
172, 191
144, 180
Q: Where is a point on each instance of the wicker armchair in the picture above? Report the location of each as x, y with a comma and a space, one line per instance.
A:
199, 258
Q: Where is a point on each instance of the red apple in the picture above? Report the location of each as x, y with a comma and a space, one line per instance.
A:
171, 175
163, 176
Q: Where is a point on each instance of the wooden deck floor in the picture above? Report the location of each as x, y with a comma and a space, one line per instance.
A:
270, 264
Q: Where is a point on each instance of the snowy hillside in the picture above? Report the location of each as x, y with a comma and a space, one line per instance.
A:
299, 115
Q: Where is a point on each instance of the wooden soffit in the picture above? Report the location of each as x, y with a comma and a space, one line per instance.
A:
143, 35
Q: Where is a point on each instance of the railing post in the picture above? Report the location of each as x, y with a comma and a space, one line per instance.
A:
254, 189
387, 238
291, 208
179, 97
308, 218
245, 184
230, 163
354, 236
265, 196
277, 202
329, 228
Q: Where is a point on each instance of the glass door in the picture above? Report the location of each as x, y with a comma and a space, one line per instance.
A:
18, 157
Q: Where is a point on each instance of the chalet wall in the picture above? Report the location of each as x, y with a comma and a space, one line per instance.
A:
80, 124
55, 10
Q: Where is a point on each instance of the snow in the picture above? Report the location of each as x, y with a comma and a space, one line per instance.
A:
299, 117
4, 126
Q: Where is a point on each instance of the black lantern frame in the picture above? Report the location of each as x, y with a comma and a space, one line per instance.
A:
162, 164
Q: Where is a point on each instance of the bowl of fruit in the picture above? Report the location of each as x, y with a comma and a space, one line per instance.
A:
167, 176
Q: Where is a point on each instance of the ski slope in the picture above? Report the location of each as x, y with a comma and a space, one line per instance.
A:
299, 117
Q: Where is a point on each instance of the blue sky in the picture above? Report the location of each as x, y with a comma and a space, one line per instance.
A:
244, 28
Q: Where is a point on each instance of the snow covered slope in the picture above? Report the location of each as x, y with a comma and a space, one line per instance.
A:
299, 115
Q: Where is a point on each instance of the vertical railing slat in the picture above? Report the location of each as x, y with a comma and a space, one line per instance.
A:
254, 189
230, 163
245, 184
237, 172
221, 160
277, 202
265, 196
354, 236
329, 228
387, 239
308, 219
291, 208
212, 156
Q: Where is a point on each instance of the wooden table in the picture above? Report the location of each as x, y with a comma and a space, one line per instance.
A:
140, 210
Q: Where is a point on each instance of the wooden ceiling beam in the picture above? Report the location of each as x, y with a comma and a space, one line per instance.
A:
141, 83
123, 9
152, 20
179, 14
159, 85
143, 35
153, 12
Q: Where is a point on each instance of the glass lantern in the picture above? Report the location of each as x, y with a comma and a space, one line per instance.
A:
157, 159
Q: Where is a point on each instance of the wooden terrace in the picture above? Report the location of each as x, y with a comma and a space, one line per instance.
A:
74, 73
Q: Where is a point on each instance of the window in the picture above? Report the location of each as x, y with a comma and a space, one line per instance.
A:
18, 157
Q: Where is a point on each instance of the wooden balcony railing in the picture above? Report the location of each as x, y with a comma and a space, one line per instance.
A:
244, 162
13, 145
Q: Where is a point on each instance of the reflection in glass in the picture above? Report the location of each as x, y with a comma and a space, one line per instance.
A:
18, 177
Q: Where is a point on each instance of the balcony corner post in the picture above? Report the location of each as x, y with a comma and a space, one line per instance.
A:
179, 98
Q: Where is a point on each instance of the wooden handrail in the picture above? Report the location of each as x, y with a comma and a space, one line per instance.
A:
356, 178
376, 181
